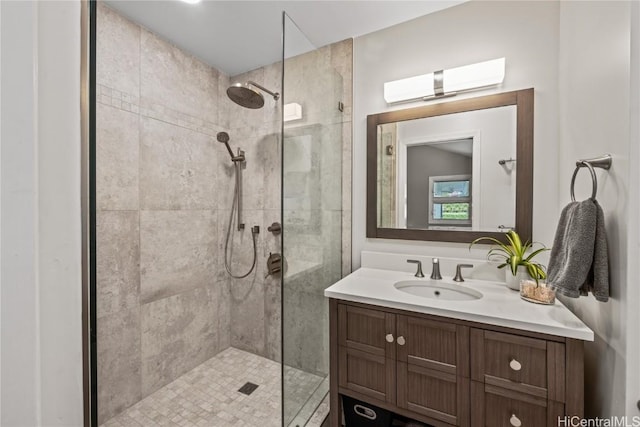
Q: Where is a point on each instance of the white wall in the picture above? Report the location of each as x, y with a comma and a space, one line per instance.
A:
19, 325
526, 33
595, 47
582, 61
41, 381
633, 292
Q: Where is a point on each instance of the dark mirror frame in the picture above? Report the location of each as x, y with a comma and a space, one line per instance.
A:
523, 100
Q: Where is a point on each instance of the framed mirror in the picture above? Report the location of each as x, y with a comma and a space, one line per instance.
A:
453, 171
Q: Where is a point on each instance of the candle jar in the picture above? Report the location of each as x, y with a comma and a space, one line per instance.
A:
538, 293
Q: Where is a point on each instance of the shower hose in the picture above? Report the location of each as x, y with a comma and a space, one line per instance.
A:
254, 231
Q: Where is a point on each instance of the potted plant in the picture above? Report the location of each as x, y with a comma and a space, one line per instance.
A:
514, 255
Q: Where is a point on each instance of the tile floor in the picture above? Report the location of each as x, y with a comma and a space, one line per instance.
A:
207, 396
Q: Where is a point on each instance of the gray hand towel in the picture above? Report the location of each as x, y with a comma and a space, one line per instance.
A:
579, 260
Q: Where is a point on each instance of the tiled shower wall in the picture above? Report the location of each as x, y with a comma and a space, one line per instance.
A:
165, 303
164, 190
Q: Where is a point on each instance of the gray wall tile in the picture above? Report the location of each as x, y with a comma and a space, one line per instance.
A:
118, 262
175, 79
178, 333
119, 373
177, 252
117, 154
177, 167
273, 318
118, 47
247, 314
306, 344
224, 314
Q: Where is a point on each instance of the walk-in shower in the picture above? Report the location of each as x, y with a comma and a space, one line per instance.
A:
196, 324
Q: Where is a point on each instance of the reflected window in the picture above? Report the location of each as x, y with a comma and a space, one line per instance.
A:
450, 200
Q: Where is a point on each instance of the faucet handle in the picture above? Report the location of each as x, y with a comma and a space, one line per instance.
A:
419, 272
459, 268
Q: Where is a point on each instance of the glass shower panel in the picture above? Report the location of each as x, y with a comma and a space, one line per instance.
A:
312, 220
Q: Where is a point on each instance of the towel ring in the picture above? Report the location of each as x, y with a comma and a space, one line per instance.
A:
594, 190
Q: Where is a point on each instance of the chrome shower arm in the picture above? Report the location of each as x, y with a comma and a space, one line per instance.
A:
275, 95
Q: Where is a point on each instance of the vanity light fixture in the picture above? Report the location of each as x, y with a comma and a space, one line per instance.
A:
445, 82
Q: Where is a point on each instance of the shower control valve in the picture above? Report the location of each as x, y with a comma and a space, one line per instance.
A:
275, 228
274, 265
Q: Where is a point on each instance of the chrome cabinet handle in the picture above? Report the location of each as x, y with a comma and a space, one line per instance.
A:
515, 365
401, 340
389, 337
515, 421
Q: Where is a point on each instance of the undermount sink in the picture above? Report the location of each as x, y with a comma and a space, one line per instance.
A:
437, 290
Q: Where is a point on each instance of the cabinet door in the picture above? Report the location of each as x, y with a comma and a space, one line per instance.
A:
366, 352
371, 331
498, 407
433, 345
433, 369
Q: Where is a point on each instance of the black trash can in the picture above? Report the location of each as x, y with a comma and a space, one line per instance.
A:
361, 414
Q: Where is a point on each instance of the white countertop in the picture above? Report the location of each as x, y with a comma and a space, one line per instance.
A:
499, 305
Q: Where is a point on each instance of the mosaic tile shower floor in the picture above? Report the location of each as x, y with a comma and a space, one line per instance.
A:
208, 396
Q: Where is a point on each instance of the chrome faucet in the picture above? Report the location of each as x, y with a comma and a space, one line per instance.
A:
419, 272
459, 268
435, 271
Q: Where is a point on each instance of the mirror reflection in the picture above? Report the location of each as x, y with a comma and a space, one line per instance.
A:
449, 172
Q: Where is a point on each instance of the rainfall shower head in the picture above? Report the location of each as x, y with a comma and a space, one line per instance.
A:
246, 96
224, 138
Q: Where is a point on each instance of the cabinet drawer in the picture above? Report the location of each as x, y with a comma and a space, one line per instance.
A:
497, 407
518, 363
368, 374
363, 329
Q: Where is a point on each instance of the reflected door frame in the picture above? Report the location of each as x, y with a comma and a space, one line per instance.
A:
401, 167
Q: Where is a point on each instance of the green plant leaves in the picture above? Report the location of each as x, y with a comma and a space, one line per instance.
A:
514, 254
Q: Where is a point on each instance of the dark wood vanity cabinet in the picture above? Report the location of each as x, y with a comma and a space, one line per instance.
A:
447, 372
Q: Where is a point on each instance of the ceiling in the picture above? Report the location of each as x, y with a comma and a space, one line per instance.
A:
238, 36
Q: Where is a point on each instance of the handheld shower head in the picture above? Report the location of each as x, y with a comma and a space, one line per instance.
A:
224, 138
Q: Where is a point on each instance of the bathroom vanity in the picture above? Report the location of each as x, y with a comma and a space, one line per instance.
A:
489, 361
